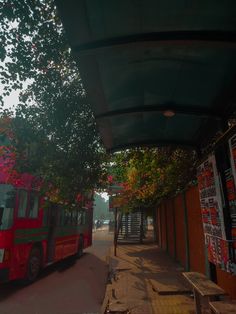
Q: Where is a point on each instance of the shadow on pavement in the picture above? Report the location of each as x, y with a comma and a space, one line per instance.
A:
148, 280
9, 288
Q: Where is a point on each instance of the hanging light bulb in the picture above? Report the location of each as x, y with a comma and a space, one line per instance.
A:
168, 113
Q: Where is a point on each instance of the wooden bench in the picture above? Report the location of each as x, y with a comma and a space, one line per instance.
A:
202, 287
223, 307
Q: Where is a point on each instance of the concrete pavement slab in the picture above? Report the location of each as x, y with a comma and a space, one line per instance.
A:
136, 275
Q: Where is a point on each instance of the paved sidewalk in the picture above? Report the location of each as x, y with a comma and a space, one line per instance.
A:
144, 279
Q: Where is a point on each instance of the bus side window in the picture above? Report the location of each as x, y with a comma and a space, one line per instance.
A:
33, 205
62, 215
83, 218
67, 219
71, 218
74, 217
23, 195
45, 216
79, 218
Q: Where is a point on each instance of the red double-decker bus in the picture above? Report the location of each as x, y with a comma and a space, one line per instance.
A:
34, 232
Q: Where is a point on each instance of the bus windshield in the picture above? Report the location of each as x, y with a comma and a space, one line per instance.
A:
7, 202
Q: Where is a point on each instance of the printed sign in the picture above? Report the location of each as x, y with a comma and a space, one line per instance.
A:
114, 202
210, 198
212, 212
231, 191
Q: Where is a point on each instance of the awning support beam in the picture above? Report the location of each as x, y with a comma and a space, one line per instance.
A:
177, 109
216, 36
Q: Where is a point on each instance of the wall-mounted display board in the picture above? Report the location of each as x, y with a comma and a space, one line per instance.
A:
212, 202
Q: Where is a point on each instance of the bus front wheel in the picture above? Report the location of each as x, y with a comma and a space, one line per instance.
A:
34, 265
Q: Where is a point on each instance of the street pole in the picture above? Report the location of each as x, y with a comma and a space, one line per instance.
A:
141, 227
115, 232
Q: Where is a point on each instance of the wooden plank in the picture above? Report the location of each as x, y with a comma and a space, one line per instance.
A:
223, 307
203, 285
166, 284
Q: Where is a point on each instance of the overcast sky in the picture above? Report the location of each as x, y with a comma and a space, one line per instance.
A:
12, 100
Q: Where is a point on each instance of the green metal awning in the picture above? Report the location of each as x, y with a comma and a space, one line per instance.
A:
141, 58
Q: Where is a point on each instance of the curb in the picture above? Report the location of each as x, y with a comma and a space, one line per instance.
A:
108, 305
107, 296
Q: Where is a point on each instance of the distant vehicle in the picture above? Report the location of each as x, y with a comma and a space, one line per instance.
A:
98, 224
106, 222
33, 233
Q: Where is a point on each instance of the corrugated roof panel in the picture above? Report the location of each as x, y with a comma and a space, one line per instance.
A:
140, 58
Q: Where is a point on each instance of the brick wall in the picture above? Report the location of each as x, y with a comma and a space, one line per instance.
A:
195, 231
163, 226
173, 211
171, 233
179, 225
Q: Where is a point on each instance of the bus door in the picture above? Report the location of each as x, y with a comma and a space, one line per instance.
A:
52, 224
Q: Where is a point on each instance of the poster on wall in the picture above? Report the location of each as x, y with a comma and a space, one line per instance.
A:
232, 148
211, 202
231, 195
231, 191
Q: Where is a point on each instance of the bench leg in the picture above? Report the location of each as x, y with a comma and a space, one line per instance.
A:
197, 302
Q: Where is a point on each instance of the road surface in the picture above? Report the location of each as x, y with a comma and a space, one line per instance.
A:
69, 287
